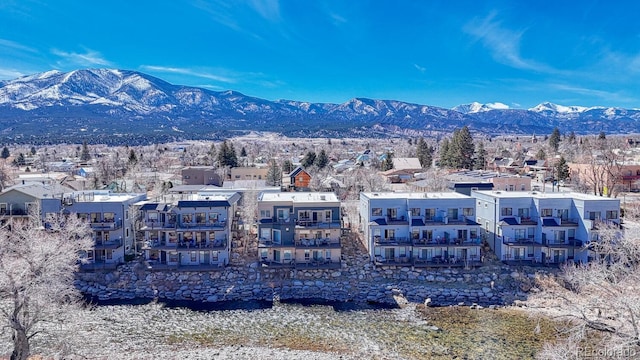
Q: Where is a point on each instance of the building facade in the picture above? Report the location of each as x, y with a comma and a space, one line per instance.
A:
544, 228
195, 230
300, 229
420, 229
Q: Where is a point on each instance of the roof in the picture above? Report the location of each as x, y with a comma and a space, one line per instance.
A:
297, 171
417, 222
543, 195
39, 191
509, 221
414, 195
298, 197
406, 163
549, 222
162, 207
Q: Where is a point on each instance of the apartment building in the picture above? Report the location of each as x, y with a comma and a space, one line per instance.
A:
299, 229
420, 229
543, 228
192, 231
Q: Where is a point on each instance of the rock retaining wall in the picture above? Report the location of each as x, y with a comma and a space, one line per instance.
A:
489, 285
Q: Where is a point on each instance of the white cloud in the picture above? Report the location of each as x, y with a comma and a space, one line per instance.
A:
503, 43
268, 9
16, 46
189, 72
89, 58
10, 73
422, 69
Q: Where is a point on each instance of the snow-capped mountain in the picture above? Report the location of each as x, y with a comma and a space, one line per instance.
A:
476, 107
122, 106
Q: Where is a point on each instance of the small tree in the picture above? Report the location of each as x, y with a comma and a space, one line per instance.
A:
33, 150
480, 162
37, 269
541, 155
309, 159
321, 160
424, 153
85, 155
274, 174
387, 164
287, 166
562, 169
554, 139
5, 153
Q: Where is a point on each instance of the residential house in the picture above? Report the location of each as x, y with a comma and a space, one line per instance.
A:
110, 218
420, 229
248, 173
200, 175
193, 231
20, 201
543, 228
299, 229
297, 180
463, 181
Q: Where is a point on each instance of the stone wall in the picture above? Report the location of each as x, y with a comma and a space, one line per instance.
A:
358, 280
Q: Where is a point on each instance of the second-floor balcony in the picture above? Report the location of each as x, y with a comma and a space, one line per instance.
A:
156, 224
447, 242
267, 242
379, 240
202, 225
106, 225
318, 243
510, 240
108, 244
13, 212
559, 221
562, 243
315, 224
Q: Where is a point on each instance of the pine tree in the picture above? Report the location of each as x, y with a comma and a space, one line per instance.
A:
562, 169
464, 148
572, 138
480, 162
444, 153
85, 155
33, 150
424, 153
287, 166
227, 155
5, 153
554, 139
232, 156
387, 164
274, 175
541, 155
321, 160
602, 136
243, 152
133, 159
308, 159
212, 153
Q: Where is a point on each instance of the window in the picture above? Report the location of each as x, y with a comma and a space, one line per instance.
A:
593, 215
473, 234
563, 214
95, 217
429, 214
214, 255
283, 214
523, 212
307, 255
415, 234
152, 216
194, 256
415, 211
376, 212
511, 188
287, 255
3, 208
108, 217
327, 254
263, 254
327, 216
200, 218
127, 232
186, 218
109, 254
304, 215
522, 187
392, 213
452, 213
389, 233
612, 214
265, 214
546, 212
213, 218
467, 211
173, 257
506, 211
126, 214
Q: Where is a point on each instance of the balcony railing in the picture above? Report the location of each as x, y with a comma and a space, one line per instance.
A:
110, 244
13, 212
392, 240
151, 224
211, 244
314, 243
445, 242
265, 242
202, 225
507, 240
563, 243
308, 223
444, 220
106, 225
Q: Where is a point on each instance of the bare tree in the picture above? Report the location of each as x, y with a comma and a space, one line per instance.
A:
601, 296
37, 268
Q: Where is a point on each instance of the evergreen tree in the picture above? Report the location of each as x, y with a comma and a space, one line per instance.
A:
227, 155
444, 153
133, 159
321, 160
212, 153
19, 161
480, 162
572, 138
541, 155
562, 169
274, 175
33, 150
287, 166
424, 153
85, 155
554, 139
602, 136
387, 164
5, 153
243, 152
308, 159
464, 148
232, 155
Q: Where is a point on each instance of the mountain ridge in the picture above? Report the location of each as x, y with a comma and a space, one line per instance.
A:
138, 106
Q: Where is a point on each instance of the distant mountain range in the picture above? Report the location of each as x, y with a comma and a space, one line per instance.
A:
127, 107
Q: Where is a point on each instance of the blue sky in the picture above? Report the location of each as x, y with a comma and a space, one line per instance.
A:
441, 53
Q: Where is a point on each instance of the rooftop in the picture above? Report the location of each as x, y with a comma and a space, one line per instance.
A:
415, 195
541, 195
299, 197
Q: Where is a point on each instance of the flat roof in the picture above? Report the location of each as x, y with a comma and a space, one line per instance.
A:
415, 195
542, 195
299, 196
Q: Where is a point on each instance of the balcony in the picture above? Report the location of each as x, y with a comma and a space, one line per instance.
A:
106, 225
14, 212
528, 241
211, 245
308, 223
444, 220
396, 261
202, 225
392, 240
318, 243
561, 243
109, 244
439, 261
157, 225
265, 242
446, 242
397, 220
556, 221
